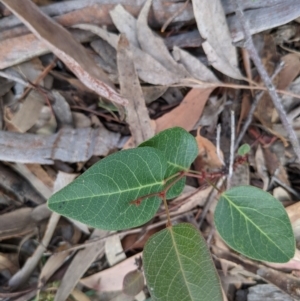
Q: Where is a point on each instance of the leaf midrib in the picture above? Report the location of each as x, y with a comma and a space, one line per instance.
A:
180, 264
114, 193
250, 221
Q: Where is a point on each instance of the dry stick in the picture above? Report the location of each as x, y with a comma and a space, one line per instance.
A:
218, 139
231, 159
265, 77
210, 200
255, 102
39, 78
187, 82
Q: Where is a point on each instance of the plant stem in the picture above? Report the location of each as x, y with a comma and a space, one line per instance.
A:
169, 223
249, 45
254, 104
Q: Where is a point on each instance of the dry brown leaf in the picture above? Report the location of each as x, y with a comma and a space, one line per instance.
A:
275, 164
111, 279
114, 252
212, 25
16, 223
192, 198
293, 212
244, 110
41, 174
29, 112
61, 110
9, 263
241, 176
148, 69
80, 264
187, 113
79, 295
286, 76
261, 167
17, 187
24, 273
125, 23
247, 64
35, 175
136, 112
194, 66
64, 46
152, 93
270, 59
53, 263
154, 45
207, 158
290, 70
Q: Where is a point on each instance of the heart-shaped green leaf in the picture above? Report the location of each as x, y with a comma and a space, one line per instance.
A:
101, 197
180, 150
254, 223
178, 266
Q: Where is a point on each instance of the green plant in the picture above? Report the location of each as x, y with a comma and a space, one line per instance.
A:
125, 190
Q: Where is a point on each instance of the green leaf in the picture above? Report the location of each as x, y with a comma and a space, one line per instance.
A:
180, 149
244, 149
101, 197
254, 223
178, 266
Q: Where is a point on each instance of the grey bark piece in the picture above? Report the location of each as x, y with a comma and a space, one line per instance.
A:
267, 292
264, 18
68, 145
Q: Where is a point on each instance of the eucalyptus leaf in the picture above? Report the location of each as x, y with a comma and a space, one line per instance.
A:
101, 197
180, 150
252, 222
178, 266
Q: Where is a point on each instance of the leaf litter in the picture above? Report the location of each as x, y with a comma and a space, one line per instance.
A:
73, 117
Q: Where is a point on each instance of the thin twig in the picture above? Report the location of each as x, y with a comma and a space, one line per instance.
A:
218, 138
231, 158
255, 102
249, 45
39, 78
211, 199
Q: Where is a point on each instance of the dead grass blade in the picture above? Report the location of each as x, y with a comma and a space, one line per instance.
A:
137, 114
212, 25
64, 46
154, 45
125, 23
